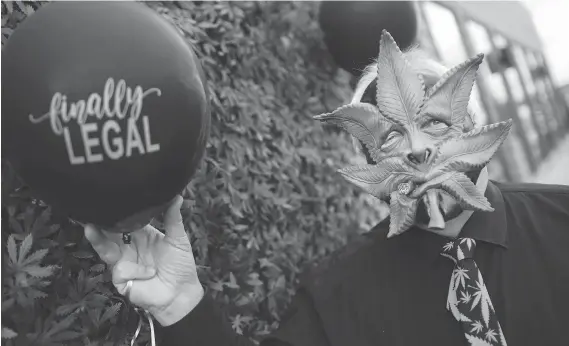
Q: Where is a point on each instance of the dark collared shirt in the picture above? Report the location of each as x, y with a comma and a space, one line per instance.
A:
393, 292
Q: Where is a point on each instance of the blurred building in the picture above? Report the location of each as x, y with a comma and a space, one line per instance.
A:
513, 82
564, 90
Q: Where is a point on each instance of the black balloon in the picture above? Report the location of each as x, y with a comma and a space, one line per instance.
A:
352, 29
105, 110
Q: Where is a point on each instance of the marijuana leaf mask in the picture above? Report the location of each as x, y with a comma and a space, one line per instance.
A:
423, 141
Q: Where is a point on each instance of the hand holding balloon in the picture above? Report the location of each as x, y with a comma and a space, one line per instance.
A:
161, 266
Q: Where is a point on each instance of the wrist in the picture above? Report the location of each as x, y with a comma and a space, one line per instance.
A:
181, 306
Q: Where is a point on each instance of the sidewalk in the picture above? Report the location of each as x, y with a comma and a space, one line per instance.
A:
555, 168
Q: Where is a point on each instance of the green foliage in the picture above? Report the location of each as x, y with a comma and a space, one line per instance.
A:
266, 202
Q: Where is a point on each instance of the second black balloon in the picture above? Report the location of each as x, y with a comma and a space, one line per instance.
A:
352, 29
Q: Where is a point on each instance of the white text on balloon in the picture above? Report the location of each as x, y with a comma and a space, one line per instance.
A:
111, 140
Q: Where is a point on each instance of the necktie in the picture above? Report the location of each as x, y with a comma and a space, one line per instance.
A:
468, 299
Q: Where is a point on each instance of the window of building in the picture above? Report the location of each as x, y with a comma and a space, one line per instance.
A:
525, 69
424, 34
525, 115
482, 44
479, 37
510, 73
445, 32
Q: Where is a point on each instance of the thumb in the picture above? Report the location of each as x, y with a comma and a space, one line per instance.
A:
173, 222
125, 271
108, 250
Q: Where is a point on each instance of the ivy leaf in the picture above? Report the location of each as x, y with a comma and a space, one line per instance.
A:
39, 272
6, 32
19, 5
232, 281
35, 257
8, 333
266, 263
92, 282
25, 9
471, 150
12, 250
23, 261
83, 254
34, 294
243, 300
63, 338
98, 268
216, 286
254, 280
64, 310
28, 218
25, 247
381, 179
15, 225
59, 331
111, 312
9, 7
403, 212
238, 322
40, 225
279, 283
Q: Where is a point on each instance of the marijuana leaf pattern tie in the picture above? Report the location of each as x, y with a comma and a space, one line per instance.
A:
468, 299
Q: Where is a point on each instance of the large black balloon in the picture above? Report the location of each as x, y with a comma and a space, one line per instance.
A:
352, 29
138, 91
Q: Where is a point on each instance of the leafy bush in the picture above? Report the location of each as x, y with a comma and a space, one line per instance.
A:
267, 200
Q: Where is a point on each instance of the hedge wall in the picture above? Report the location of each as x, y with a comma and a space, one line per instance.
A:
267, 200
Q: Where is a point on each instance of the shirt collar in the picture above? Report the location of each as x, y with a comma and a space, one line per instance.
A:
490, 227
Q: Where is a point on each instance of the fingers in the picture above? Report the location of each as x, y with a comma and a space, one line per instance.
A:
173, 222
108, 250
125, 271
113, 236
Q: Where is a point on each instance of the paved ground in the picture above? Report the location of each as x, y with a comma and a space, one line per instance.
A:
555, 168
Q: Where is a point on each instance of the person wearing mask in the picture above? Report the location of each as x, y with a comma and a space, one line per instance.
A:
461, 260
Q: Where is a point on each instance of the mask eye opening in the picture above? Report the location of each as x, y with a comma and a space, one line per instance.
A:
435, 121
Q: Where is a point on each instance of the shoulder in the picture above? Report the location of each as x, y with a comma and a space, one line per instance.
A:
539, 194
537, 204
532, 188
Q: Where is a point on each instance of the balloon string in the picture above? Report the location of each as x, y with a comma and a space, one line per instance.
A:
138, 329
151, 323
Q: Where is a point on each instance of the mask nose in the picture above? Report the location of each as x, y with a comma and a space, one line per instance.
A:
418, 156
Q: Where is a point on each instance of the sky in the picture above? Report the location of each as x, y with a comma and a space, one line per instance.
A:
551, 18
